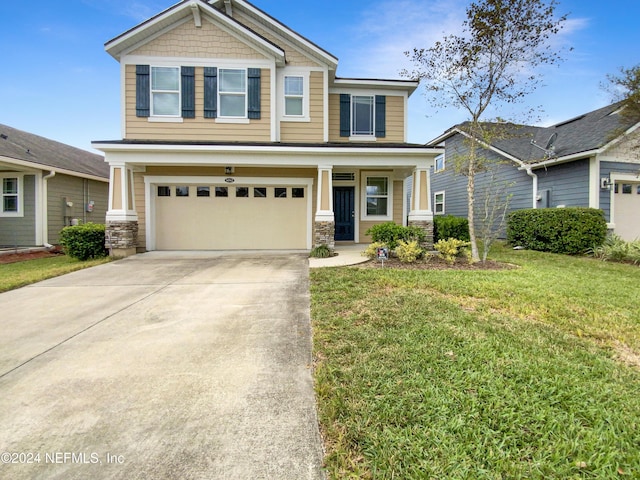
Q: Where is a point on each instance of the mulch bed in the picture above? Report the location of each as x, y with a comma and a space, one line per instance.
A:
23, 256
437, 263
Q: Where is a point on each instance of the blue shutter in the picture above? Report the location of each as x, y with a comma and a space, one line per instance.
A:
381, 116
253, 75
143, 91
210, 92
188, 92
345, 115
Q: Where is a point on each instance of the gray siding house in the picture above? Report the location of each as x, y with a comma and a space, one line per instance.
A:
46, 185
587, 161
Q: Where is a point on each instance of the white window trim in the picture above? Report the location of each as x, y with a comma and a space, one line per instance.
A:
20, 195
305, 74
166, 118
219, 93
363, 200
364, 136
435, 203
435, 163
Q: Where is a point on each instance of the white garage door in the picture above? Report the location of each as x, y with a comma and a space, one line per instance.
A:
230, 217
626, 200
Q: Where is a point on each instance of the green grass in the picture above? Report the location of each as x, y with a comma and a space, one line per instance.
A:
480, 374
19, 274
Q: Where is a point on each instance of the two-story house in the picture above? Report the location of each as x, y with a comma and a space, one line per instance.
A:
237, 134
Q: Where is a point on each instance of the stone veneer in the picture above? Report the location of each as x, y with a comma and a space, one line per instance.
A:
428, 230
122, 237
324, 234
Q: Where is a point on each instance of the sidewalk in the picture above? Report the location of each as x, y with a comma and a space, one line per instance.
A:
349, 254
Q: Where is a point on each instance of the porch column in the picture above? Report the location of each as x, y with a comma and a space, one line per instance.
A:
421, 214
122, 218
324, 223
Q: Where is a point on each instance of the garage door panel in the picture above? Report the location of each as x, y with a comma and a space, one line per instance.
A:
221, 223
626, 208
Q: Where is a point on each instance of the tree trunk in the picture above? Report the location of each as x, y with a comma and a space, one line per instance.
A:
471, 178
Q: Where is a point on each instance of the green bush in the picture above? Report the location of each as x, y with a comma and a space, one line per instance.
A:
448, 226
391, 233
408, 252
615, 249
84, 241
569, 231
372, 249
452, 248
321, 251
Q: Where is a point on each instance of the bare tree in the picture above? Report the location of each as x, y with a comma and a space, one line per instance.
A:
494, 61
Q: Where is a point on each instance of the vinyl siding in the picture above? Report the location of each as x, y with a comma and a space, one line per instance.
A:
395, 120
21, 231
568, 183
199, 128
312, 131
79, 191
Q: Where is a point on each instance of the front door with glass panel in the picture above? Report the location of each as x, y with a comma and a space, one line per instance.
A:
344, 211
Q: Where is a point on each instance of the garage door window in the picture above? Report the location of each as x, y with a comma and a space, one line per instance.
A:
297, 192
260, 192
626, 188
222, 192
281, 192
182, 191
242, 192
164, 191
203, 192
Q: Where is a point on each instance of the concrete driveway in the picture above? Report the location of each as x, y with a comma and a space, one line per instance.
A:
161, 366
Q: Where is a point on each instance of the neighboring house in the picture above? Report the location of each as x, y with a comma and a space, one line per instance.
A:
47, 185
237, 134
591, 162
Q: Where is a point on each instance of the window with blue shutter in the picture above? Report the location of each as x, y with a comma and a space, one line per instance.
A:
210, 92
188, 92
143, 91
381, 116
253, 110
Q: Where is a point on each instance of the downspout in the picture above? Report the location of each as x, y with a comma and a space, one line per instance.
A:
527, 168
45, 208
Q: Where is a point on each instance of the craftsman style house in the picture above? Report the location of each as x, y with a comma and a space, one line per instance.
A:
237, 134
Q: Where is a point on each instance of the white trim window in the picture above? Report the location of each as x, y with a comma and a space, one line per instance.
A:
294, 96
165, 91
440, 163
438, 203
232, 93
363, 115
378, 197
11, 196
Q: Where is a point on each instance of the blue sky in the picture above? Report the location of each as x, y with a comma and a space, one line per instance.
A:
57, 81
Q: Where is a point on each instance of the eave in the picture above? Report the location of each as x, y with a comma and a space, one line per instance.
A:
42, 167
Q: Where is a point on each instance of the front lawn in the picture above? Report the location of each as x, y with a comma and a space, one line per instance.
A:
19, 274
525, 373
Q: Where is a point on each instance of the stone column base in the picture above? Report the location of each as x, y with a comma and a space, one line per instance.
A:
428, 230
324, 234
121, 238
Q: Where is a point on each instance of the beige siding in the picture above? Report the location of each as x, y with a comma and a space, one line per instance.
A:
80, 192
209, 41
312, 131
626, 150
394, 116
199, 128
294, 57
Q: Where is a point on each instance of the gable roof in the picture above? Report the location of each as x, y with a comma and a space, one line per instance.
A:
585, 134
164, 20
27, 149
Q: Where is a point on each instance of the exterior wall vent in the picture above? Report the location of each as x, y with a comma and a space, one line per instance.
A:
344, 176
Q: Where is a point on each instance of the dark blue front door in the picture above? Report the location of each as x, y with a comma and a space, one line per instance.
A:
344, 211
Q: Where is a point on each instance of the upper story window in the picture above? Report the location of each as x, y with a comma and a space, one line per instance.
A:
165, 91
11, 196
232, 93
362, 115
293, 96
440, 162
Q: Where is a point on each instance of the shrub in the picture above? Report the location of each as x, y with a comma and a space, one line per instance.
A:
615, 249
321, 251
372, 250
84, 241
408, 252
558, 230
452, 248
448, 226
391, 233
